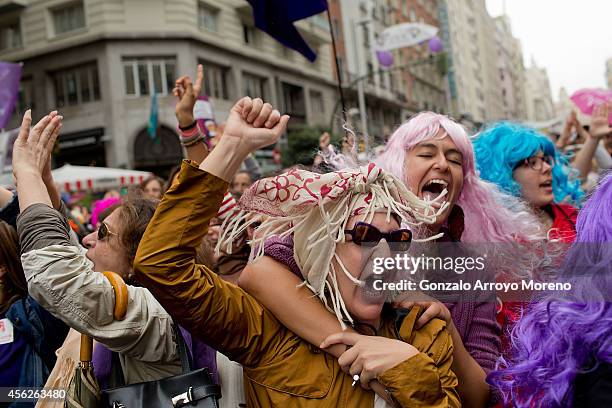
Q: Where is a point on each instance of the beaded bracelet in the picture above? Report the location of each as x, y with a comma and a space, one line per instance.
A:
194, 141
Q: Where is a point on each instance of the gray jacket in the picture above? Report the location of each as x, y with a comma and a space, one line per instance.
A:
62, 280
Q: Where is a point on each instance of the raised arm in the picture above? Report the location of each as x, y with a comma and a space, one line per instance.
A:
192, 138
216, 311
567, 131
31, 153
598, 130
61, 279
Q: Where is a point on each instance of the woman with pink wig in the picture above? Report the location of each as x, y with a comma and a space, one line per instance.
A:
431, 144
433, 155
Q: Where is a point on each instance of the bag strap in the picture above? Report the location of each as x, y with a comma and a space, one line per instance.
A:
184, 356
116, 379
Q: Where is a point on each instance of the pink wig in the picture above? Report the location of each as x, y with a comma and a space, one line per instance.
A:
490, 216
100, 206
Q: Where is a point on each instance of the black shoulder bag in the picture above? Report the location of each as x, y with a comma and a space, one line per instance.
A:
189, 389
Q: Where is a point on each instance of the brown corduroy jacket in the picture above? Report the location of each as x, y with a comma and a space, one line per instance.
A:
280, 368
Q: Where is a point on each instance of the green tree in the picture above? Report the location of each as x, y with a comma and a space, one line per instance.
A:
302, 145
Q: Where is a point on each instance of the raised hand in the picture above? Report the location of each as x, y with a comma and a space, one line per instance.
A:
187, 92
570, 122
324, 141
253, 124
33, 147
600, 126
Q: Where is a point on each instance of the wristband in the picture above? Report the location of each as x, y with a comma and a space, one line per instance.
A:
194, 141
187, 136
188, 127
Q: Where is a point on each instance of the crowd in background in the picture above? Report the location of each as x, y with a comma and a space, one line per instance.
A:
261, 272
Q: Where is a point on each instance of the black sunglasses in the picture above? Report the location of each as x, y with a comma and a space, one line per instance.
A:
104, 232
367, 234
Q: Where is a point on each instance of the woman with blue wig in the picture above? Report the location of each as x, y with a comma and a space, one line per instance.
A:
561, 352
526, 164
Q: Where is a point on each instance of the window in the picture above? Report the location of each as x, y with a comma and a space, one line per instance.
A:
26, 98
316, 103
216, 80
77, 85
143, 75
249, 35
208, 17
370, 73
293, 98
254, 86
68, 18
404, 7
10, 35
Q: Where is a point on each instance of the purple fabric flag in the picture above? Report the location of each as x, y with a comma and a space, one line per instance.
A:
10, 74
276, 17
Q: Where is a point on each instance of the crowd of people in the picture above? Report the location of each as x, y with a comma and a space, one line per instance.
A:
269, 280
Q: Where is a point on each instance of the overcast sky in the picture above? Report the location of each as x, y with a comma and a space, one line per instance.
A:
570, 38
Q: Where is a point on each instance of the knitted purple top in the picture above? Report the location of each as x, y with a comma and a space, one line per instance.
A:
475, 321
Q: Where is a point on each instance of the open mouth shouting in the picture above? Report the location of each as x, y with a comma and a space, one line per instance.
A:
432, 189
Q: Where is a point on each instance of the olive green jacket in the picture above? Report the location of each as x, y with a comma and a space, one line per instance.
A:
280, 368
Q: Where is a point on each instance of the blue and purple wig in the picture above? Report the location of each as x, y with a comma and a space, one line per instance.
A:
504, 145
569, 333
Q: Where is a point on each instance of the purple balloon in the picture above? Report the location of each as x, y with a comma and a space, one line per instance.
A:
435, 44
385, 58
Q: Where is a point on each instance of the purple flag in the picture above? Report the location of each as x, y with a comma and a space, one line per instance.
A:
10, 74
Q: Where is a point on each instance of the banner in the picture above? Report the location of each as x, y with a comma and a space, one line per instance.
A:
10, 74
153, 117
203, 113
404, 35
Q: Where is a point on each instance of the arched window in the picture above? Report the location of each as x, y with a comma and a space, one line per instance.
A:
157, 155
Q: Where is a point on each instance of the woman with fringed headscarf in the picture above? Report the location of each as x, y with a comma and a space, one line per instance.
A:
331, 217
430, 153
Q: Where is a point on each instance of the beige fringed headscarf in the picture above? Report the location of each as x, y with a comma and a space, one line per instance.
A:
316, 208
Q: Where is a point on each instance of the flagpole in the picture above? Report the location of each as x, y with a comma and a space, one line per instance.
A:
338, 72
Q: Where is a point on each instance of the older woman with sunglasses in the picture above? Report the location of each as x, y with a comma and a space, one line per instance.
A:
62, 276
